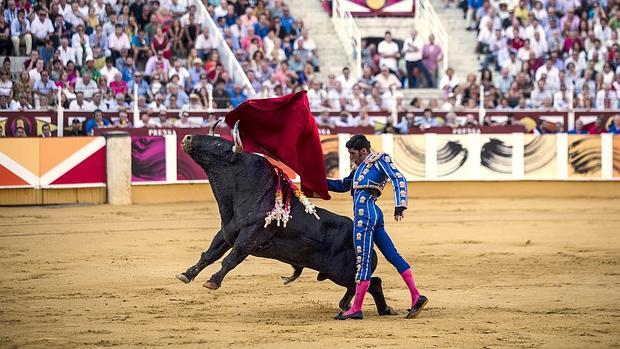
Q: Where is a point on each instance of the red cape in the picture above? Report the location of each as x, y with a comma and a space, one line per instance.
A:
284, 129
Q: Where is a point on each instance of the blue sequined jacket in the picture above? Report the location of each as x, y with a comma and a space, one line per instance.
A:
373, 173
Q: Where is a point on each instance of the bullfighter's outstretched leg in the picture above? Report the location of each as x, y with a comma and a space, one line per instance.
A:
234, 258
216, 250
376, 291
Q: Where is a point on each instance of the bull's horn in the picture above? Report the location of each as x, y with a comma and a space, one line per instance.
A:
238, 147
212, 129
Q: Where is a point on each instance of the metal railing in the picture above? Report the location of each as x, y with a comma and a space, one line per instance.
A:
349, 35
428, 22
230, 62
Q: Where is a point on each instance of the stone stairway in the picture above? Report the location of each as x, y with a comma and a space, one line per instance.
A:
332, 56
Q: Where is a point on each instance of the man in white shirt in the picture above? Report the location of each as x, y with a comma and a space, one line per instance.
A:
80, 42
66, 53
346, 81
388, 50
512, 63
412, 50
539, 44
109, 71
316, 95
40, 27
118, 41
552, 74
204, 43
448, 82
386, 79
80, 104
179, 71
87, 86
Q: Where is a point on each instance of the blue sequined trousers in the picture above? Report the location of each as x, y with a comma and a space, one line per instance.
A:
368, 230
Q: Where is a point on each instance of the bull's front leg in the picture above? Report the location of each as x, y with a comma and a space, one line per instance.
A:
216, 250
234, 258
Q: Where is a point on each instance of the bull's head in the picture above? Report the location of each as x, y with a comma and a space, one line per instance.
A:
209, 149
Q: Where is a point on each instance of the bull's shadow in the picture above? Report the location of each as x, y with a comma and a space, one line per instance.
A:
244, 186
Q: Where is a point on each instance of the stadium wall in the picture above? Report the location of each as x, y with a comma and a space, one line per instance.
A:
40, 171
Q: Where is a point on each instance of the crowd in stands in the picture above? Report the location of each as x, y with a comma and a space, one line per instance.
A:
542, 54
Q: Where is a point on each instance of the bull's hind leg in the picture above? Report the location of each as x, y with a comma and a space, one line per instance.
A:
216, 251
234, 258
345, 302
376, 290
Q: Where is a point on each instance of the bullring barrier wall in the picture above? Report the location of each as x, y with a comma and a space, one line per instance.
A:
73, 170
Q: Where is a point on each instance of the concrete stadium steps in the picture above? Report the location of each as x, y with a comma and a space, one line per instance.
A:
332, 56
461, 43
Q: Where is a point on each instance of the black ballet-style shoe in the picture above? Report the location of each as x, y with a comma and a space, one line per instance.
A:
417, 308
355, 316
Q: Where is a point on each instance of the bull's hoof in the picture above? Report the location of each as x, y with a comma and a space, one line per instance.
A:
211, 285
183, 278
388, 311
344, 307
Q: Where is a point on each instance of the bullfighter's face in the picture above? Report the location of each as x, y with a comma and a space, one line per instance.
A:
357, 156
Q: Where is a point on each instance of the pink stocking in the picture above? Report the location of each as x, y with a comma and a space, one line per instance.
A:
360, 292
408, 278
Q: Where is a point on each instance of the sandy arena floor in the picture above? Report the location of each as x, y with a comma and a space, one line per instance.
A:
498, 273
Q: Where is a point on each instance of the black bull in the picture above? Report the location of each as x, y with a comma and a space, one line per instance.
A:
244, 186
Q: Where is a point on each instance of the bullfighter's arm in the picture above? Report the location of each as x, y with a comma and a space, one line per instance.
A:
399, 182
341, 185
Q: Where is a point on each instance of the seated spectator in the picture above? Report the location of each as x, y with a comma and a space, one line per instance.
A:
237, 96
614, 128
324, 120
221, 98
87, 86
80, 104
183, 120
386, 79
123, 120
427, 120
21, 33
118, 85
41, 28
76, 128
118, 41
98, 121
598, 127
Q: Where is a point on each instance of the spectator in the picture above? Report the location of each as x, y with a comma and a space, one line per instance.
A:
614, 128
413, 53
324, 120
221, 98
20, 33
44, 86
183, 121
98, 121
389, 52
123, 120
109, 71
238, 96
87, 86
432, 54
80, 104
41, 28
118, 41
80, 42
428, 120
386, 79
97, 102
204, 43
46, 131
598, 127
76, 128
